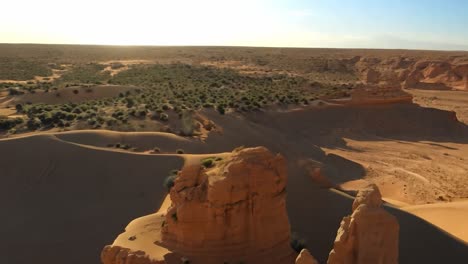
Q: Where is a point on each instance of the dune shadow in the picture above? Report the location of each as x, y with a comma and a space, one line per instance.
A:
68, 202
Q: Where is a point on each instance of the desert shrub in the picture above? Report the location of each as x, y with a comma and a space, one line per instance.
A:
156, 150
8, 123
19, 108
221, 109
111, 121
33, 123
208, 162
297, 243
125, 146
180, 151
163, 117
169, 182
15, 91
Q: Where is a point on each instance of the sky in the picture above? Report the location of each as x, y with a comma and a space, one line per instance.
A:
400, 24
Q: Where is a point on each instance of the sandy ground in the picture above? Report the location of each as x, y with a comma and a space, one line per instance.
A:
416, 173
450, 217
456, 101
410, 172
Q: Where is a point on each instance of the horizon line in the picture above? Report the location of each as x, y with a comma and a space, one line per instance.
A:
225, 46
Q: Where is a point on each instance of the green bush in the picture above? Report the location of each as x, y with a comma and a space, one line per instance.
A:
33, 123
180, 151
169, 182
8, 123
221, 109
208, 162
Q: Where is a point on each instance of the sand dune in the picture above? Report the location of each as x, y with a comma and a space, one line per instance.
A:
437, 171
67, 201
142, 141
450, 217
82, 197
74, 194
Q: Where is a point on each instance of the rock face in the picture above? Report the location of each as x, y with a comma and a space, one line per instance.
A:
305, 258
368, 235
234, 211
119, 255
382, 93
420, 73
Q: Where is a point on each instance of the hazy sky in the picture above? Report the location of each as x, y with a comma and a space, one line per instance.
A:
414, 24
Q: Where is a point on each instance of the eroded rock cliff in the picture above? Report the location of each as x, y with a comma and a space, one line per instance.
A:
229, 210
233, 211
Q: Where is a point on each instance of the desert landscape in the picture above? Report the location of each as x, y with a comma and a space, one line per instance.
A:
154, 154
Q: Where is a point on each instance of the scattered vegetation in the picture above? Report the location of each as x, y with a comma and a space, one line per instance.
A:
22, 69
168, 93
9, 123
84, 73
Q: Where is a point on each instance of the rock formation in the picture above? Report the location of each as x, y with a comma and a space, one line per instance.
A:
368, 235
229, 211
232, 211
305, 258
